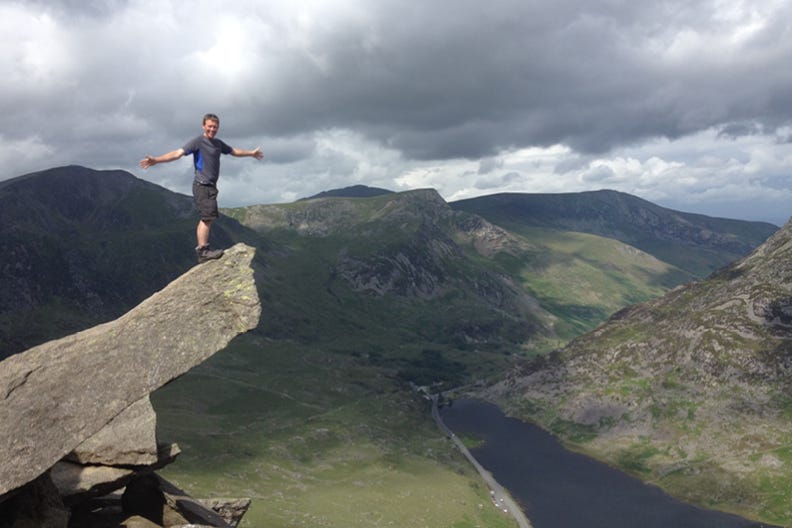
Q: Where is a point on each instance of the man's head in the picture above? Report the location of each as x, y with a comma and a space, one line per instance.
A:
211, 123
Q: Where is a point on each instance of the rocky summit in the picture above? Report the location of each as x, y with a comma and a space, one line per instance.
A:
78, 421
690, 391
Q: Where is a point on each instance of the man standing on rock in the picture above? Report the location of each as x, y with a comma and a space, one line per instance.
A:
206, 150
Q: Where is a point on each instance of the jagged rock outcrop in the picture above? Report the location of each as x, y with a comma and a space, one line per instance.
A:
75, 402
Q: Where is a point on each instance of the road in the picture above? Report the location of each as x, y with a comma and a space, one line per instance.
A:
503, 501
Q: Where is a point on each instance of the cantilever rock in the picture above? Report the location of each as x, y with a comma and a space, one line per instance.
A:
56, 395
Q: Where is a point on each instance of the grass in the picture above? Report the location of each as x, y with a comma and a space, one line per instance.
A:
572, 431
316, 439
634, 458
583, 279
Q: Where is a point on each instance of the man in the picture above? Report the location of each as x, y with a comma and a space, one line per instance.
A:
206, 150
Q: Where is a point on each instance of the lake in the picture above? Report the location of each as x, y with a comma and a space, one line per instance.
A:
558, 488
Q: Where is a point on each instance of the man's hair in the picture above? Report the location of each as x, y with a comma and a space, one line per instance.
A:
210, 117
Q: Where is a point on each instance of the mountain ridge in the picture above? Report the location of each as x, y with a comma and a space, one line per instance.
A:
102, 240
635, 221
397, 240
352, 191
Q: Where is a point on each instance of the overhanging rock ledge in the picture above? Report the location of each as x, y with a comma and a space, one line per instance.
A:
56, 396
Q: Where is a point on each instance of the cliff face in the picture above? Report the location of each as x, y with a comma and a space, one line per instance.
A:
691, 390
79, 405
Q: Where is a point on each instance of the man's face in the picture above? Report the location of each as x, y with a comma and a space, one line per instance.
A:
210, 128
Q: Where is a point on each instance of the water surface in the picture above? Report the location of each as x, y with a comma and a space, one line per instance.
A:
561, 489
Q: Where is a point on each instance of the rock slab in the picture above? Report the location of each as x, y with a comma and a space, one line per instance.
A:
130, 439
55, 396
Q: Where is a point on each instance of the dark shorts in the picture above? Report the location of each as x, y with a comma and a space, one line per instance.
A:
205, 197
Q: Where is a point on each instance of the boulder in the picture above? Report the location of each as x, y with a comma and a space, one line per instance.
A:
138, 521
143, 497
192, 509
130, 439
55, 396
231, 510
77, 482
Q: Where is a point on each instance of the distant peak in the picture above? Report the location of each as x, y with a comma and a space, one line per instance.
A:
353, 191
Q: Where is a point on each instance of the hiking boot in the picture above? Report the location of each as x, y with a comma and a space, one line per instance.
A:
205, 253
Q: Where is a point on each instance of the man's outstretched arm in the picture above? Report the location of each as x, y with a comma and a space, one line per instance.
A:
240, 153
173, 155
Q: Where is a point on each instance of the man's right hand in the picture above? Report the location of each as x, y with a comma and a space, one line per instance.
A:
147, 162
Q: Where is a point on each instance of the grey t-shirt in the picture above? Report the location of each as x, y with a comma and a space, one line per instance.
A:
206, 158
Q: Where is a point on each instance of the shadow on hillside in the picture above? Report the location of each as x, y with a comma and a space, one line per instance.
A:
777, 311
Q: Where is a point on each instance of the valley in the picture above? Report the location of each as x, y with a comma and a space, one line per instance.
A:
316, 439
313, 414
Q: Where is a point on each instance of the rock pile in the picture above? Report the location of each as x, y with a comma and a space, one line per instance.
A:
78, 440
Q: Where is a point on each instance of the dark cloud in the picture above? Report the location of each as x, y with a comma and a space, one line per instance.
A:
448, 79
467, 79
735, 130
488, 165
103, 83
489, 182
79, 8
598, 174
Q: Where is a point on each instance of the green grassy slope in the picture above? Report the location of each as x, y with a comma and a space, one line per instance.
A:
583, 279
316, 438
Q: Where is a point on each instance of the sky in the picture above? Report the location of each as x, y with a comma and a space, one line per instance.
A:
687, 103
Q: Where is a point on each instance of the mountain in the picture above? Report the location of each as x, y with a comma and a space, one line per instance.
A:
695, 243
392, 268
353, 191
453, 277
83, 246
690, 391
80, 246
312, 412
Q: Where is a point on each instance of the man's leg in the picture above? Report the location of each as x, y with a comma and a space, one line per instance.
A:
202, 232
202, 251
206, 202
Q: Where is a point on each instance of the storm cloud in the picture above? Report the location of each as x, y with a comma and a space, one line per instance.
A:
679, 102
